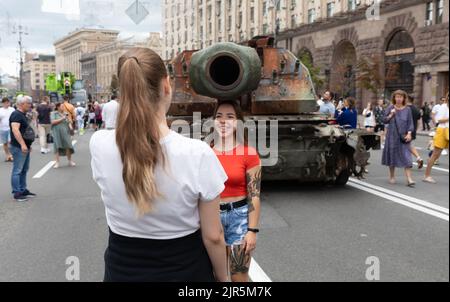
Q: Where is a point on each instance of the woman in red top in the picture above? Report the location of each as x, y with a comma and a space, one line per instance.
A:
240, 201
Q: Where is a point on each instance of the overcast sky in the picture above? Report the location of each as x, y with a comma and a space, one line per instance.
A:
47, 21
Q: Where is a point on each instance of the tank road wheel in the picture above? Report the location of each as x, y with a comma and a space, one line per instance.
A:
343, 170
342, 178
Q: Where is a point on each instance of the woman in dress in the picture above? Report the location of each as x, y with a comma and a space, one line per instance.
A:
62, 141
396, 152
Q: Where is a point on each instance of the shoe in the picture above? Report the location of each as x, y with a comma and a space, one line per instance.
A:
429, 180
19, 197
419, 163
56, 166
411, 184
28, 194
444, 152
43, 151
72, 164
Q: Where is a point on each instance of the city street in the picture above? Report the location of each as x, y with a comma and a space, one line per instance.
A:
308, 232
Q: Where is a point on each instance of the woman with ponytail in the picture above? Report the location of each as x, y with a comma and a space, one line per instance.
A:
160, 190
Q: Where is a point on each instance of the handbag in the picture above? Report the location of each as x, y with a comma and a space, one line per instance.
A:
402, 137
29, 135
71, 129
49, 138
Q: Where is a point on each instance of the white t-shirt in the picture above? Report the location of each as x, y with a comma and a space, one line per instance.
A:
109, 113
5, 114
80, 111
442, 113
194, 174
369, 121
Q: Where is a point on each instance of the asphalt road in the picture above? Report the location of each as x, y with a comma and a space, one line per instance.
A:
309, 233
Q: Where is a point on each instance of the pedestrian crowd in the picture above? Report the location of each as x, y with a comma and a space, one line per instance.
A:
179, 209
397, 122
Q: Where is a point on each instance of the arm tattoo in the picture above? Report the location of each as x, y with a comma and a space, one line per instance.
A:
253, 188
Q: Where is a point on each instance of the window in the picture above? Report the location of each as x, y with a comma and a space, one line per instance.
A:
351, 4
429, 13
330, 9
311, 15
439, 11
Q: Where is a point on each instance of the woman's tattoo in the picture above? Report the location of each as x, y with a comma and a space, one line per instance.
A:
253, 188
239, 260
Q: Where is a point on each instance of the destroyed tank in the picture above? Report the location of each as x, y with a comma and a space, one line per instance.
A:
275, 92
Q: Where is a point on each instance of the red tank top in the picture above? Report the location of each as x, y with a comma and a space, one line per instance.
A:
236, 163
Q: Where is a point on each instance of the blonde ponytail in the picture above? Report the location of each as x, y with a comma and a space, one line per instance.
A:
141, 71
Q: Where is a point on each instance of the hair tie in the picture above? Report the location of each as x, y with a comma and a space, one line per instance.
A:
137, 61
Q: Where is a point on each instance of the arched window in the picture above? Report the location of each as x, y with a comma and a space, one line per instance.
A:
399, 56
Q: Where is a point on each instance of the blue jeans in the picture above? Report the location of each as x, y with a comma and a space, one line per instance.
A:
235, 225
80, 125
20, 168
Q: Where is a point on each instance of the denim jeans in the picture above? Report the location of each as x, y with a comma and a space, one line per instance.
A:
80, 124
20, 169
235, 225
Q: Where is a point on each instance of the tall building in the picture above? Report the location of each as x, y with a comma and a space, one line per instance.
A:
36, 68
190, 24
410, 38
99, 67
70, 48
407, 42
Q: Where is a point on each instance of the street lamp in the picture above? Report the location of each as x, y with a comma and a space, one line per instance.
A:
21, 31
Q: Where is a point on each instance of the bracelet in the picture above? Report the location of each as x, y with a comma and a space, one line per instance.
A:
253, 230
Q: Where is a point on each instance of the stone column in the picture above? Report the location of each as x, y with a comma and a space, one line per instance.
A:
434, 86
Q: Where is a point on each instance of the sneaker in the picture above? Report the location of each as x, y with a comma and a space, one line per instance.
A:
28, 194
20, 197
444, 152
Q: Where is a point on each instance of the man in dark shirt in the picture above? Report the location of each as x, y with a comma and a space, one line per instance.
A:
426, 117
21, 149
416, 117
44, 126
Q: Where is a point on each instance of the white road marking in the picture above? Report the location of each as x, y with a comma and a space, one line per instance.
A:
401, 201
256, 273
45, 169
435, 168
403, 196
49, 166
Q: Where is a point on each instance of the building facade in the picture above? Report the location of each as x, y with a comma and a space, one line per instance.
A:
99, 67
194, 24
70, 48
405, 42
408, 43
89, 73
36, 68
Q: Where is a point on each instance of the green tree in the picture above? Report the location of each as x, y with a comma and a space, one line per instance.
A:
372, 74
306, 58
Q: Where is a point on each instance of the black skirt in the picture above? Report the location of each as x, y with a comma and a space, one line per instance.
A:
146, 260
